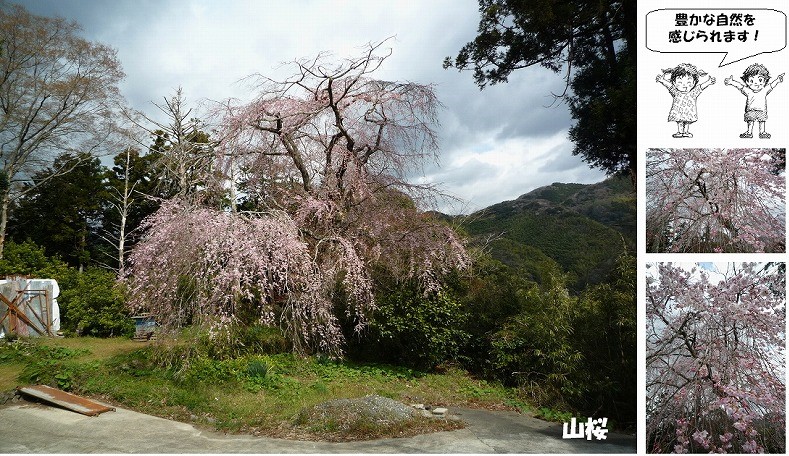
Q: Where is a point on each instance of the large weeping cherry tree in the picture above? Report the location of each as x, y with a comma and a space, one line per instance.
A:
715, 361
715, 200
315, 169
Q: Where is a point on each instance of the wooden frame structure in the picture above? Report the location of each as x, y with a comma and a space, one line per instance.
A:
25, 311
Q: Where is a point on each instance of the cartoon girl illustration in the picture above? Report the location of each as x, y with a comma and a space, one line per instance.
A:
756, 78
682, 83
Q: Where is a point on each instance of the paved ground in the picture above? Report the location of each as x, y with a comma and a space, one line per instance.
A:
35, 428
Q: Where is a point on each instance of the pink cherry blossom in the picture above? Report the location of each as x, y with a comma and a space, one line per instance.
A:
321, 160
715, 356
715, 200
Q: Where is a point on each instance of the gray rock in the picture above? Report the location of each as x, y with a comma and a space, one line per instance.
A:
439, 411
373, 407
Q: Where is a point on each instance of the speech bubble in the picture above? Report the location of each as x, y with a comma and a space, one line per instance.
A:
739, 33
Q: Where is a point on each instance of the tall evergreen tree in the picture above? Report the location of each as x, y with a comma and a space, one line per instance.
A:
591, 42
62, 213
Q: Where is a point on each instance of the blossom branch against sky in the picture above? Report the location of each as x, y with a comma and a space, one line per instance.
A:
715, 361
495, 144
326, 207
715, 200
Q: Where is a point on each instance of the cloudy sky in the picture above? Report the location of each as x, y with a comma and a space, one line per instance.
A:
496, 144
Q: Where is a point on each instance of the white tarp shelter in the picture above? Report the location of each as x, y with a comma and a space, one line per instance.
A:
29, 307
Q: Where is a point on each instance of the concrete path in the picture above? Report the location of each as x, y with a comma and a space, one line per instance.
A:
35, 428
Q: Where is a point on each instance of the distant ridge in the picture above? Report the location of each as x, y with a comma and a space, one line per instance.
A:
579, 227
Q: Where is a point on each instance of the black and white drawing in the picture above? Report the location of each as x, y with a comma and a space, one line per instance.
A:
756, 86
683, 84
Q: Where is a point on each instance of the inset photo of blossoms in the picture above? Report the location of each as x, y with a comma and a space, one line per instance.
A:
715, 359
716, 200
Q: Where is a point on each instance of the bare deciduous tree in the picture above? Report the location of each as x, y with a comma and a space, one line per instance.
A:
57, 94
122, 199
186, 153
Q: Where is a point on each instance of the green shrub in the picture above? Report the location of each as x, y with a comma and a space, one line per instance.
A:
53, 366
93, 304
606, 335
415, 329
90, 302
258, 369
206, 370
62, 374
536, 347
28, 259
262, 340
489, 298
238, 339
191, 347
574, 352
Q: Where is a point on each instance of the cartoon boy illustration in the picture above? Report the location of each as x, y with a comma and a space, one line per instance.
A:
756, 78
682, 83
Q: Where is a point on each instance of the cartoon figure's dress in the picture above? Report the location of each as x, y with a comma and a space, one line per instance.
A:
683, 108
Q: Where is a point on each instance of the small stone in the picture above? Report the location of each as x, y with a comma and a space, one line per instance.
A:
418, 406
440, 411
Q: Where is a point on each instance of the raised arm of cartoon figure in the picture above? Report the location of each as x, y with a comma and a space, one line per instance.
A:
777, 80
710, 81
661, 79
730, 81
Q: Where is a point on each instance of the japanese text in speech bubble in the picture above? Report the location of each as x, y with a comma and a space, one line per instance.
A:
737, 33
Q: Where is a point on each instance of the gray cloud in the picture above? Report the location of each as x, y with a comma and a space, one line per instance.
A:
495, 144
560, 158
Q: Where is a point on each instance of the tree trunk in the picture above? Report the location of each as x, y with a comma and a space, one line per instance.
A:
83, 242
124, 213
121, 244
4, 220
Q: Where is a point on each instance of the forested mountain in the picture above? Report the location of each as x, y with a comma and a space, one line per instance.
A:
582, 228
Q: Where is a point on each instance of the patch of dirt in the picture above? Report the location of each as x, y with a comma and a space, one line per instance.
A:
364, 418
492, 406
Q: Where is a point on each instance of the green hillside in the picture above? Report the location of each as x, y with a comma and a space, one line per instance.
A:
583, 228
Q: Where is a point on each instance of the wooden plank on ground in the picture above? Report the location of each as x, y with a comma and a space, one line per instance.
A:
66, 400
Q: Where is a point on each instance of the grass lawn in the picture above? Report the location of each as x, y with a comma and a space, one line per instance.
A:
8, 376
81, 349
260, 394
